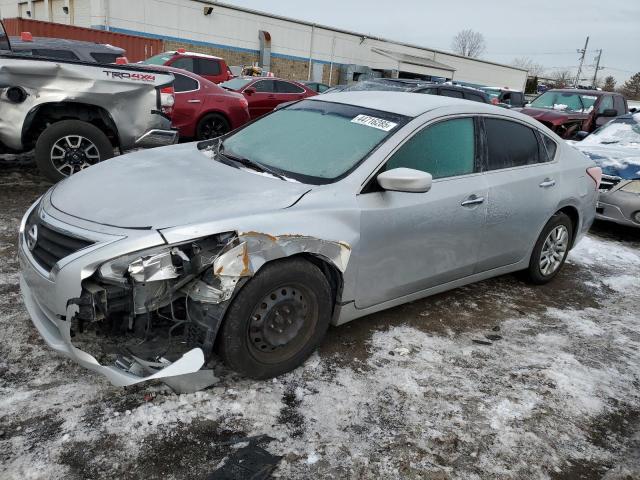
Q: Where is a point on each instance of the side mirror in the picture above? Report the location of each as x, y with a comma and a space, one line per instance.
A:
249, 91
609, 112
581, 135
405, 180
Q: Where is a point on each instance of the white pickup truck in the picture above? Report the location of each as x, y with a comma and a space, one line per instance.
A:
75, 114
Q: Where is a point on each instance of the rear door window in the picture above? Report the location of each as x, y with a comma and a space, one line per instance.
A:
618, 105
446, 149
447, 92
52, 53
105, 57
185, 63
510, 144
207, 67
286, 87
474, 97
264, 86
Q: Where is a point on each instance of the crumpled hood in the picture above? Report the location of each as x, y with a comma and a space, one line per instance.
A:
551, 116
617, 160
169, 186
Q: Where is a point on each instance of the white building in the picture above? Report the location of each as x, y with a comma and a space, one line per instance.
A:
298, 49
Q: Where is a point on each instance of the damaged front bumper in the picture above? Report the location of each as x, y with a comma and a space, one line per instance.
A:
56, 333
129, 305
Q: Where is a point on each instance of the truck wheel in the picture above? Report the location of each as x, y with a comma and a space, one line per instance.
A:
550, 250
277, 320
211, 126
68, 146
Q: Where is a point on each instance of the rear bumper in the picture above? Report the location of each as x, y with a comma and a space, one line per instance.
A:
157, 138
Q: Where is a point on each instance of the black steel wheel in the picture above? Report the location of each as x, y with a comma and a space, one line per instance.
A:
212, 125
277, 320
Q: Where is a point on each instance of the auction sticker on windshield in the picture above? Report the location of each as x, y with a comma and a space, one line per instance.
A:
379, 123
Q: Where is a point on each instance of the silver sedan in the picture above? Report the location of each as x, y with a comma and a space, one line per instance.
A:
324, 211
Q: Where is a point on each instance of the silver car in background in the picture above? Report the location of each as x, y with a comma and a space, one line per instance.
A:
324, 211
615, 147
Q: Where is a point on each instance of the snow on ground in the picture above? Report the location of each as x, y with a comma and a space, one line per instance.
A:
495, 380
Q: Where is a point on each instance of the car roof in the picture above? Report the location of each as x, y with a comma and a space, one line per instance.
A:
63, 43
191, 54
405, 103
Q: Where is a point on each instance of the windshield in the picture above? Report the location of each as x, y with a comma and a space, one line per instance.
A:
158, 59
565, 101
312, 141
236, 83
620, 131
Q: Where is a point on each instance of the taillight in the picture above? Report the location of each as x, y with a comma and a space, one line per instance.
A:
596, 174
122, 61
167, 100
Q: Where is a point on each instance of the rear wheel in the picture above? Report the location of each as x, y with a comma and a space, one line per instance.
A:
68, 146
277, 320
551, 249
212, 125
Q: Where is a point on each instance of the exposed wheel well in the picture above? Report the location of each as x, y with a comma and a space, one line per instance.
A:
44, 115
572, 213
332, 274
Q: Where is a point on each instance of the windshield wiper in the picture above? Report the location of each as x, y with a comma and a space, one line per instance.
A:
249, 163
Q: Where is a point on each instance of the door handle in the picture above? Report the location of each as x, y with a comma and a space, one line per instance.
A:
472, 200
193, 101
548, 182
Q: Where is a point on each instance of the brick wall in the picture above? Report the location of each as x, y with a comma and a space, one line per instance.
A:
290, 69
335, 76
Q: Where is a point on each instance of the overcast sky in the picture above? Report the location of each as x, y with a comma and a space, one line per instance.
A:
543, 30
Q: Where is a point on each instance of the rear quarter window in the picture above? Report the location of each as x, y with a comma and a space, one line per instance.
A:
550, 147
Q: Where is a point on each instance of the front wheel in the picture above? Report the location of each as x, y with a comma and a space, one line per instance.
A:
277, 320
551, 249
68, 146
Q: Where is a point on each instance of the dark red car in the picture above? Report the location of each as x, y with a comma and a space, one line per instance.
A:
266, 93
212, 68
568, 111
202, 109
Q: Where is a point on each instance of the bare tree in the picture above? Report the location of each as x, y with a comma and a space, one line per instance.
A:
468, 43
562, 78
534, 69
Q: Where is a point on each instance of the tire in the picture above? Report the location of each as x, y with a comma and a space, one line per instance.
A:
80, 144
558, 227
212, 125
274, 297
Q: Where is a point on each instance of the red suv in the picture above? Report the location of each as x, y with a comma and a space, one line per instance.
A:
202, 109
266, 93
212, 68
